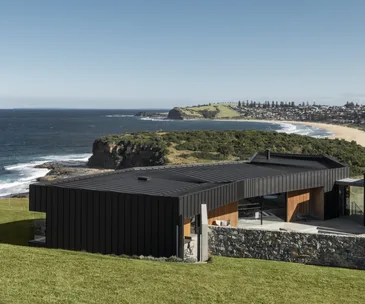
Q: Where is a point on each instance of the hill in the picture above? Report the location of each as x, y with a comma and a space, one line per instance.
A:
40, 275
209, 111
184, 147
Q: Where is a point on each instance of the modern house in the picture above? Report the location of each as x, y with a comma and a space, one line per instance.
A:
148, 211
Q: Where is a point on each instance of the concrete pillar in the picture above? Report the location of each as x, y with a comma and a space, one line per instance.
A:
204, 233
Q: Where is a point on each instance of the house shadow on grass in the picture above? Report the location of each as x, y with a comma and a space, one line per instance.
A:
17, 233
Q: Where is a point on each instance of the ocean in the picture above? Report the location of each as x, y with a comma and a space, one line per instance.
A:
32, 137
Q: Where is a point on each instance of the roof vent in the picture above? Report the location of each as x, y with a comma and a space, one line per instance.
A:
268, 154
144, 178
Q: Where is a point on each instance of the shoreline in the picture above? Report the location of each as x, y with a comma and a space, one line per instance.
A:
338, 131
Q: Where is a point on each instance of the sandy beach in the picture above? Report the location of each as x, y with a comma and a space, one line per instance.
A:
340, 132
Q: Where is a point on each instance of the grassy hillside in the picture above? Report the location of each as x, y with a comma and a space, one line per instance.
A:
212, 146
39, 275
16, 222
210, 111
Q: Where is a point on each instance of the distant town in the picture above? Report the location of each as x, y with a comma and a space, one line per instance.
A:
350, 113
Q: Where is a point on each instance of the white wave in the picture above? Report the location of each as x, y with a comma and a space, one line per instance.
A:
155, 118
287, 128
24, 174
69, 157
303, 130
118, 115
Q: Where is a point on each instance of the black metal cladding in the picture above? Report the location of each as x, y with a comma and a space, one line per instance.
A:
228, 193
221, 195
291, 182
116, 213
110, 223
37, 198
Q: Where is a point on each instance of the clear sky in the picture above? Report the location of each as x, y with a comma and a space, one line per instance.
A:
137, 54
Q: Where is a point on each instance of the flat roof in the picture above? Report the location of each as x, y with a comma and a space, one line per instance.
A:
354, 182
178, 180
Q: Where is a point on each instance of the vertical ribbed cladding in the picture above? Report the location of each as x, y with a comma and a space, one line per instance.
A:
72, 196
49, 238
141, 203
66, 219
120, 221
38, 198
105, 222
32, 198
114, 222
78, 212
221, 195
108, 223
283, 183
95, 221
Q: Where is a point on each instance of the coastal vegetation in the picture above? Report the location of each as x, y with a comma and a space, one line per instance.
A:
40, 275
184, 147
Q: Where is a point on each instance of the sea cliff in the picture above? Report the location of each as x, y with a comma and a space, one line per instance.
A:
127, 150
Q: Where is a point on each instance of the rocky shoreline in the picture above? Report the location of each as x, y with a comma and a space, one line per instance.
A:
59, 170
62, 170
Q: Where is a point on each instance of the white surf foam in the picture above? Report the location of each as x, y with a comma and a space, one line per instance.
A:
22, 174
287, 128
118, 115
303, 130
155, 119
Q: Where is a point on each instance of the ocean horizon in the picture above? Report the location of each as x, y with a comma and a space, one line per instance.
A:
30, 137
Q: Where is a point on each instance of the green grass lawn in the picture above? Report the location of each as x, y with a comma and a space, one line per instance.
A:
16, 222
224, 110
38, 275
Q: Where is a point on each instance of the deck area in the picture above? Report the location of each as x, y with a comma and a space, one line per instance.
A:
346, 225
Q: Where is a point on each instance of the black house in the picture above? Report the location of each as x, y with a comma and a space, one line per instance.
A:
147, 211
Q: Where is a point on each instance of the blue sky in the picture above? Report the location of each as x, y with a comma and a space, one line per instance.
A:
135, 54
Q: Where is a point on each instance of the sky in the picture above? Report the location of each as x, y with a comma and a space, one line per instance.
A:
160, 54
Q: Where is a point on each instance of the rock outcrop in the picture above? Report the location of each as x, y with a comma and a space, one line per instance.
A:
127, 153
59, 170
105, 155
151, 114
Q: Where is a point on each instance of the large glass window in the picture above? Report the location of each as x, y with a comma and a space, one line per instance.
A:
355, 201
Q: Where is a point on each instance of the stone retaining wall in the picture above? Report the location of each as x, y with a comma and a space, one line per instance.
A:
315, 249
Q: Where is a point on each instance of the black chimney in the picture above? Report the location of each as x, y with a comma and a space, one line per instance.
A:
268, 154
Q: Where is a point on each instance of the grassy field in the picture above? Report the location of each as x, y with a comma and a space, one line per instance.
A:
224, 110
16, 222
37, 275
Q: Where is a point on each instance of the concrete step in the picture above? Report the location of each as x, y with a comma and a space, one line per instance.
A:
334, 232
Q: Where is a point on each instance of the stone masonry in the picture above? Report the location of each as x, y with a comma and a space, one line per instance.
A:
315, 249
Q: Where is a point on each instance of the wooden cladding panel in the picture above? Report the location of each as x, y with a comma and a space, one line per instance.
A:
187, 227
305, 202
227, 212
317, 203
298, 202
